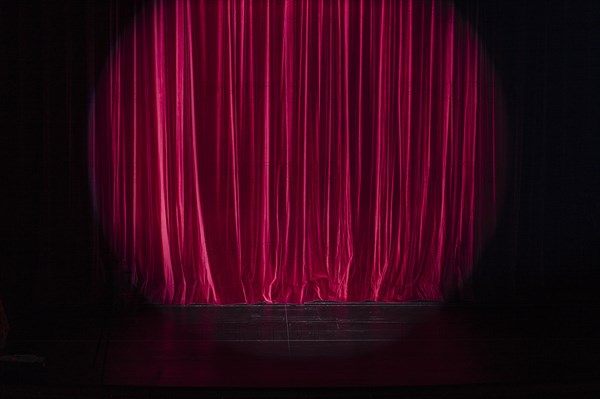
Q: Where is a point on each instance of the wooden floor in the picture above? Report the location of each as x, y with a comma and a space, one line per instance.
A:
415, 350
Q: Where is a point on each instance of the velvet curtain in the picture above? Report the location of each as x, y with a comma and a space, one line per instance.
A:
290, 151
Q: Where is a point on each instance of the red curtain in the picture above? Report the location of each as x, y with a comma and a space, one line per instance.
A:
290, 151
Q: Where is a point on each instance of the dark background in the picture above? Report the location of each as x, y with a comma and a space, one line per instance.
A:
545, 249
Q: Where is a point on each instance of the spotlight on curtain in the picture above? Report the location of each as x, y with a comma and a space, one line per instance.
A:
290, 151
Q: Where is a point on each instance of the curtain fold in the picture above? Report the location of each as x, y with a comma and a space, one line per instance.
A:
291, 151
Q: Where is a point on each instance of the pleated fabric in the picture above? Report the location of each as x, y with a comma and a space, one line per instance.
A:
297, 150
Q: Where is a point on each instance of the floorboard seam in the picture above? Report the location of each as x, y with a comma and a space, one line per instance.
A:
287, 329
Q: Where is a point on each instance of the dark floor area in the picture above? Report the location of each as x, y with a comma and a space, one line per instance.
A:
310, 350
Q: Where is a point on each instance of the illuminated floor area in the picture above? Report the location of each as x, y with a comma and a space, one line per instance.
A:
404, 349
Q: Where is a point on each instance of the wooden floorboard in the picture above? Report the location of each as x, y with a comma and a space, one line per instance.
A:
311, 346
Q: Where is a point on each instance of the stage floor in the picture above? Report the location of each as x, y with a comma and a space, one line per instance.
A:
315, 345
